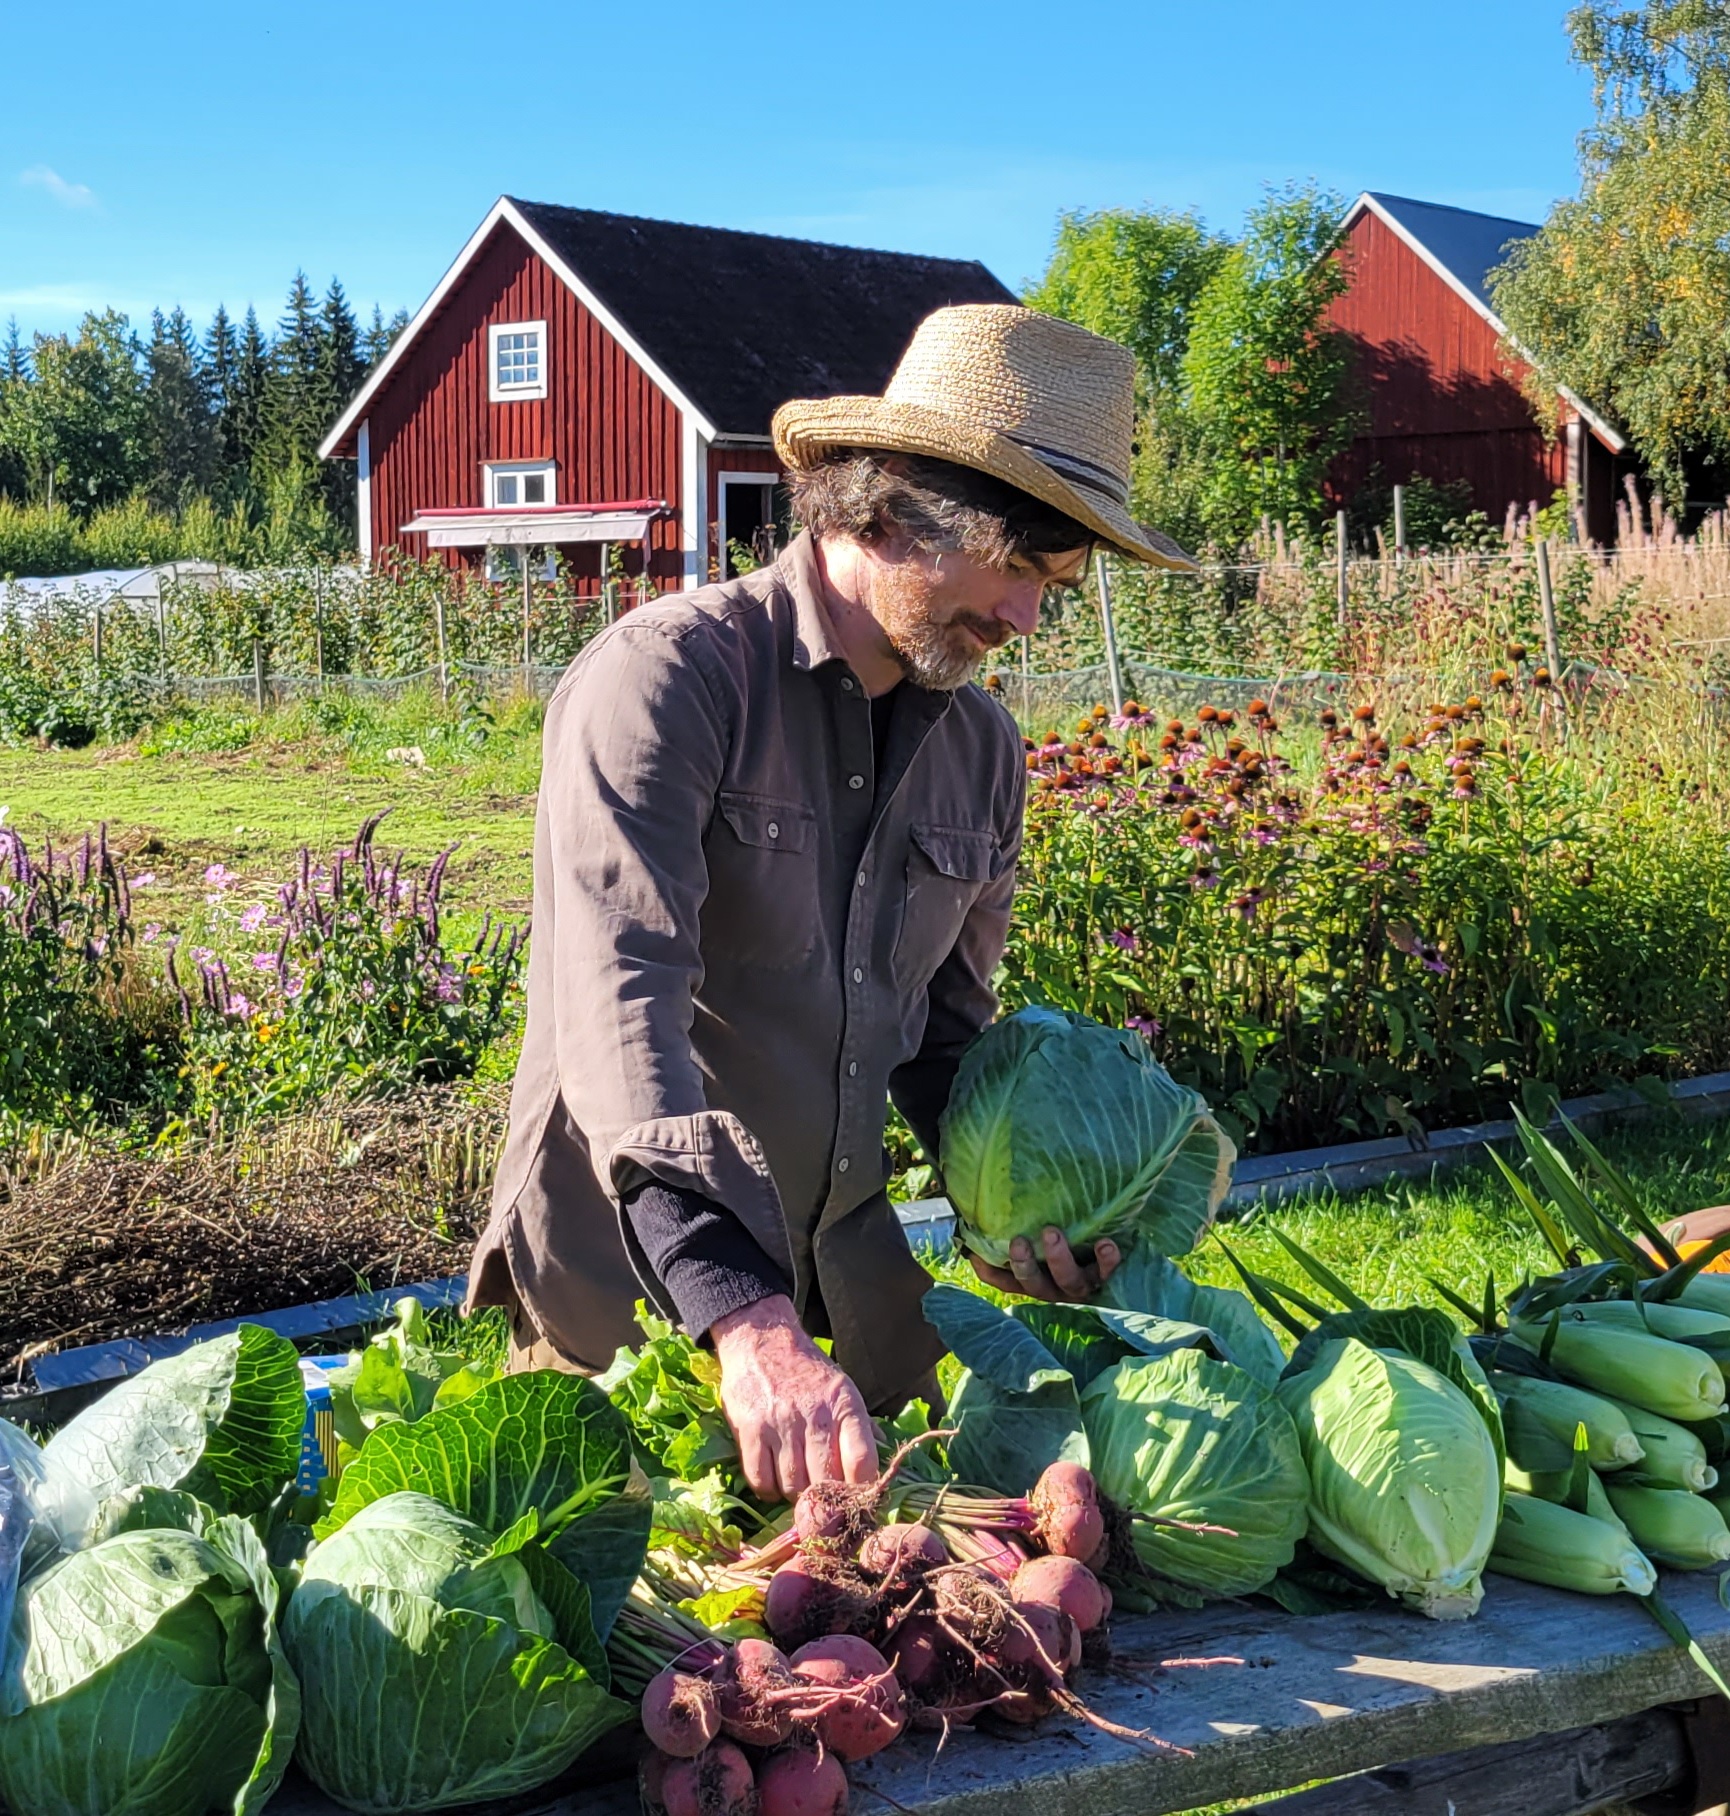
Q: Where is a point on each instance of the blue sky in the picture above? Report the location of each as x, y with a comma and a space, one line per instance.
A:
192, 153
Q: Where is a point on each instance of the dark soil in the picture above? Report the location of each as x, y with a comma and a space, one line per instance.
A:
100, 1243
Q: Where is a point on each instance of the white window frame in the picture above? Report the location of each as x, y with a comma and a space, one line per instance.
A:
510, 394
722, 481
493, 471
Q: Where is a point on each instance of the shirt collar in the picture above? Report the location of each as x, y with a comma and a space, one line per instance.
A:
814, 641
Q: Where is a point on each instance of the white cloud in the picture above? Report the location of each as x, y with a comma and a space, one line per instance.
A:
68, 195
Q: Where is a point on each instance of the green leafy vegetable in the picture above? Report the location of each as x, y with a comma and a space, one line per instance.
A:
1055, 1119
1146, 1281
221, 1420
442, 1665
544, 1443
1405, 1478
147, 1679
1183, 1437
669, 1392
398, 1377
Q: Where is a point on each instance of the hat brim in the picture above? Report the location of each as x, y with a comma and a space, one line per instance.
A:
807, 430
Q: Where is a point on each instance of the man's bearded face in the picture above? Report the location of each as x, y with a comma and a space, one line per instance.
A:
943, 614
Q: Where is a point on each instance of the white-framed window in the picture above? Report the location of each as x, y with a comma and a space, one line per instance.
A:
514, 484
507, 564
516, 361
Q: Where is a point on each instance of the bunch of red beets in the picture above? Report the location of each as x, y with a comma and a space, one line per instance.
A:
876, 1627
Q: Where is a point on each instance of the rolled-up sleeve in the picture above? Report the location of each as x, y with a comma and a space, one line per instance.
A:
634, 750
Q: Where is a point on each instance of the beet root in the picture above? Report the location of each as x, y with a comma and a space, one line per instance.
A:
746, 1687
1061, 1582
800, 1781
835, 1516
899, 1552
718, 1782
651, 1782
680, 1715
865, 1709
815, 1596
1071, 1522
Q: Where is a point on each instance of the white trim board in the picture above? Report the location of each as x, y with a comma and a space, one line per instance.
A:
1367, 204
504, 209
363, 490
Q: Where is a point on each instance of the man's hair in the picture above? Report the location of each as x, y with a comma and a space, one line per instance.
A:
869, 495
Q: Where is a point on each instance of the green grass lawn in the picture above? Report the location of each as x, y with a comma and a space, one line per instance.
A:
223, 785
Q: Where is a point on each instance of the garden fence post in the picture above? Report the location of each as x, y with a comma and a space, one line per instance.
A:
1343, 582
318, 626
161, 632
439, 632
258, 672
528, 606
1547, 599
1399, 523
1110, 628
96, 640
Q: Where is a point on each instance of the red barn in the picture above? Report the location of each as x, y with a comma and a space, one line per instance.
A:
580, 379
1444, 399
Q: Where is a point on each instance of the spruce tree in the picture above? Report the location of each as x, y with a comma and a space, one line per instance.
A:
341, 370
290, 432
15, 356
14, 380
180, 436
219, 362
242, 422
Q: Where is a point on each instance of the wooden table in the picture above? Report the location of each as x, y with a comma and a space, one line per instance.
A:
1545, 1704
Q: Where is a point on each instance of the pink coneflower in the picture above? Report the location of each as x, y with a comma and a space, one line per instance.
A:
219, 876
252, 919
238, 1005
1145, 1026
1124, 940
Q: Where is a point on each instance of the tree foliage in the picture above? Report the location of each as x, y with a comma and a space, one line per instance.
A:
102, 416
1243, 392
1624, 294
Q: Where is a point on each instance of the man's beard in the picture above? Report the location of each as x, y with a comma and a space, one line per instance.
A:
941, 657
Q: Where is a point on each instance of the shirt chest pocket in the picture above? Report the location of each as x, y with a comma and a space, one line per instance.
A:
761, 908
947, 867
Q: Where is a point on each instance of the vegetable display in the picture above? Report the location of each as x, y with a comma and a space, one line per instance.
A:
1056, 1119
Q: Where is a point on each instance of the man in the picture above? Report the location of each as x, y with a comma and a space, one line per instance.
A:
774, 860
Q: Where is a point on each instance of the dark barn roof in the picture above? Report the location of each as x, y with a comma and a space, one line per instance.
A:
1469, 245
741, 322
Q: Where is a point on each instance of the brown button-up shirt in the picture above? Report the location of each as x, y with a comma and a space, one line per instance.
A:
742, 935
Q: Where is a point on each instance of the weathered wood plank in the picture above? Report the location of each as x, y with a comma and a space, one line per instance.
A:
1571, 1774
1321, 1698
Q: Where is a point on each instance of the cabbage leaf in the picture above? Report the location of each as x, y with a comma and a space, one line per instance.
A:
1055, 1119
1188, 1438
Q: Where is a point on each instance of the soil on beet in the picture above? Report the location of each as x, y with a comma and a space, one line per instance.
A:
98, 1243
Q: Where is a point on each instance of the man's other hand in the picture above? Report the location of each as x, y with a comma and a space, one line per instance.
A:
797, 1417
1054, 1274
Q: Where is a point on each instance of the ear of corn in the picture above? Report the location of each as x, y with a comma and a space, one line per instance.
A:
1554, 1484
1671, 1525
1540, 1542
1539, 1419
1674, 1457
1666, 1378
1703, 1330
1707, 1293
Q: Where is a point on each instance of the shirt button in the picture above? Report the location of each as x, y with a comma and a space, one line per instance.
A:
841, 1164
774, 830
853, 1069
858, 975
859, 880
855, 781
846, 684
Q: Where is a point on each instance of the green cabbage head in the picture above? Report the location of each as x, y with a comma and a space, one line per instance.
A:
1057, 1119
1405, 1483
145, 1679
1182, 1437
441, 1665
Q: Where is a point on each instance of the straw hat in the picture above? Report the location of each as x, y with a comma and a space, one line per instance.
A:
1039, 403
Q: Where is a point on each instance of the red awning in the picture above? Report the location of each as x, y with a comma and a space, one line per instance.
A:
536, 525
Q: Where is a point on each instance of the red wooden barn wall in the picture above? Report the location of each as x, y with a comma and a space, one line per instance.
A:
613, 433
1441, 401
